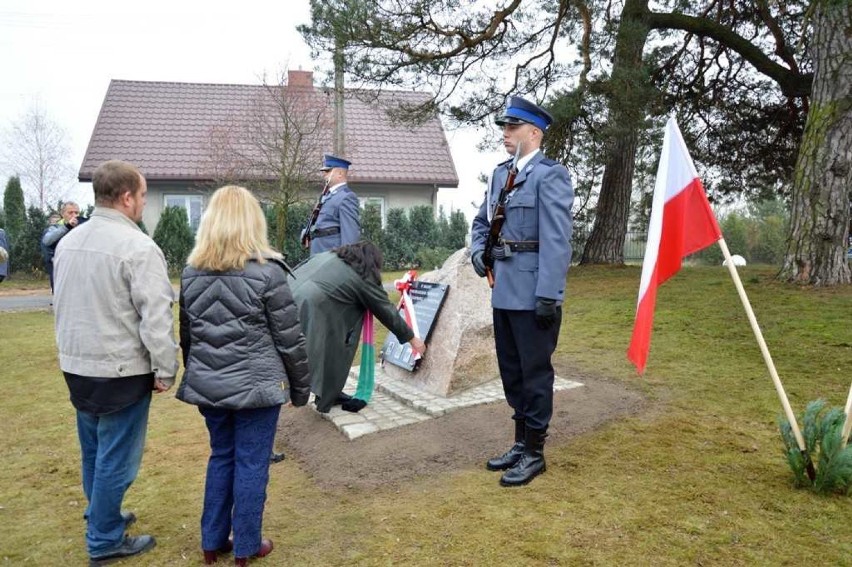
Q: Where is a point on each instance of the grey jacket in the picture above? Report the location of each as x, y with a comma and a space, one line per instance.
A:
113, 301
241, 339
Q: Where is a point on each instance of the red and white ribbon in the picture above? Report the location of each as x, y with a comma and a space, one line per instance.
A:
403, 285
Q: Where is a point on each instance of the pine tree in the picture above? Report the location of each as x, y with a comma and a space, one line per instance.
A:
174, 237
26, 251
423, 231
16, 210
297, 213
459, 228
371, 224
398, 248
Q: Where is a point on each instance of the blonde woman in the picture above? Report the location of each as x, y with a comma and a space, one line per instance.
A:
242, 347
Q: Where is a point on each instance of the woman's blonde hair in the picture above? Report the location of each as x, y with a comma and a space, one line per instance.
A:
232, 231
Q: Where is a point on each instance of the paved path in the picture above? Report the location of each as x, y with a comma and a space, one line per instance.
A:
26, 302
396, 403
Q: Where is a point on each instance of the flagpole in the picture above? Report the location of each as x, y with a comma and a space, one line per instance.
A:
847, 427
785, 403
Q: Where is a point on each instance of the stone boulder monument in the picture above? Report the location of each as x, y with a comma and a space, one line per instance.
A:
461, 347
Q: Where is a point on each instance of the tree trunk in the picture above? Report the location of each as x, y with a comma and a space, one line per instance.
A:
629, 93
819, 232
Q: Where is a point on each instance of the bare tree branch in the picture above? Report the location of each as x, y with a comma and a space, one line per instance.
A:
36, 148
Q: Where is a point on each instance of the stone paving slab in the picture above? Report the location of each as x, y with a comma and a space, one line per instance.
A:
396, 403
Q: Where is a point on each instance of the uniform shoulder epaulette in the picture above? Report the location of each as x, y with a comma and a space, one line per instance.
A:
507, 162
549, 162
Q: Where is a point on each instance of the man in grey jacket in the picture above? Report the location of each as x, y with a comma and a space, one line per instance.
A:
114, 332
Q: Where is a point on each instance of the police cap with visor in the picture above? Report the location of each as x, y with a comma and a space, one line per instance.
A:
522, 111
330, 162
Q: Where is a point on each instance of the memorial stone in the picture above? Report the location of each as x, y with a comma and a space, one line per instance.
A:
461, 345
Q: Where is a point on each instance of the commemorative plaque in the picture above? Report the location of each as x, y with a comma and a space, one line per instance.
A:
427, 299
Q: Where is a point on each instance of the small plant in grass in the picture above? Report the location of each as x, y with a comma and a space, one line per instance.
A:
822, 430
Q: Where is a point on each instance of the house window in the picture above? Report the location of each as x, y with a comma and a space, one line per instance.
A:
194, 205
377, 201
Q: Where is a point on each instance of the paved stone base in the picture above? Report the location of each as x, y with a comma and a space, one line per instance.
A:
396, 403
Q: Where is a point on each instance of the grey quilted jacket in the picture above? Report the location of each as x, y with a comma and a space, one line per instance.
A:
241, 339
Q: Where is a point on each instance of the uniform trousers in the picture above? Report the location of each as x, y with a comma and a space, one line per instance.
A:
523, 355
237, 474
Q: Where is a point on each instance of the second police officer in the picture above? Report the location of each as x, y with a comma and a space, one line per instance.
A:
336, 218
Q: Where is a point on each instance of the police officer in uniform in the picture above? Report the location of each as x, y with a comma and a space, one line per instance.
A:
338, 221
531, 262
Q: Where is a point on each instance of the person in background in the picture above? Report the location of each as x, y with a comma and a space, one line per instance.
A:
244, 354
69, 218
336, 219
531, 260
333, 291
115, 336
4, 255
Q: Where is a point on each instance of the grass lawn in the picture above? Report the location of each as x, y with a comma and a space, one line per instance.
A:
697, 479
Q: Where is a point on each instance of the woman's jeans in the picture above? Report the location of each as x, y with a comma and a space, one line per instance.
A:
111, 447
237, 473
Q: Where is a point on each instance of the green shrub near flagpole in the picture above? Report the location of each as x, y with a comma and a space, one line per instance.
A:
825, 445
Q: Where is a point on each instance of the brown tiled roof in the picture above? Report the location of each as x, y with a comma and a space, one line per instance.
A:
165, 129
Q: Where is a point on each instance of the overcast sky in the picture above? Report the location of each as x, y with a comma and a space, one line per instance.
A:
64, 53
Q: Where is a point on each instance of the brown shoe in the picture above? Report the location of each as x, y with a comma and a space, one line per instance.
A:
265, 549
211, 557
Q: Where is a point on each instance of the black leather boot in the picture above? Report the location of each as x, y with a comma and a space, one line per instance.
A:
509, 458
531, 463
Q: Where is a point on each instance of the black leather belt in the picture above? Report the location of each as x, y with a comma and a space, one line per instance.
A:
320, 232
522, 245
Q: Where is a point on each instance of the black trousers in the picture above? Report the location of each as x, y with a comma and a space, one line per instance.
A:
523, 356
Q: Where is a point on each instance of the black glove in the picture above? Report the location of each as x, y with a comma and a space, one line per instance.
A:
477, 259
546, 313
501, 252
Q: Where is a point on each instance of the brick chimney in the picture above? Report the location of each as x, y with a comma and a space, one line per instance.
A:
300, 79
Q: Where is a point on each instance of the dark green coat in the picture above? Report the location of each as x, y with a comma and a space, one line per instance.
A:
332, 299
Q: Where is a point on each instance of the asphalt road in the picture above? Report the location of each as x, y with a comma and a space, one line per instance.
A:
25, 302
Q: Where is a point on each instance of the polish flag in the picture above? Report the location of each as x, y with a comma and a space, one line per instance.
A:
682, 223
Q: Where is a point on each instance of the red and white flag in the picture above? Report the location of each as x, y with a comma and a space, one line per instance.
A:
682, 223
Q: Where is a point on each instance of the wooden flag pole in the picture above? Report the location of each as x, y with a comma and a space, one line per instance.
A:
785, 403
847, 427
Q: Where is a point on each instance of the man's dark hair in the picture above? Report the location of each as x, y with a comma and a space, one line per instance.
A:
365, 258
112, 178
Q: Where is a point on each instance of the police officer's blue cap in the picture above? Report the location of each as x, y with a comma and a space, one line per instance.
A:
330, 162
522, 111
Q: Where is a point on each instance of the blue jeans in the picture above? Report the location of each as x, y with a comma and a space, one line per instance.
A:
237, 473
111, 447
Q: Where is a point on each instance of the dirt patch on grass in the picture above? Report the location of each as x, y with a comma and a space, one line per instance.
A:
16, 291
463, 439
